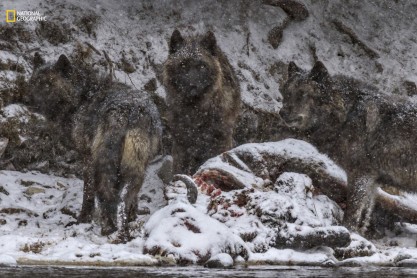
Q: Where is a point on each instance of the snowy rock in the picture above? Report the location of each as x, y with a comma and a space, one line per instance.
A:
288, 256
358, 247
16, 111
288, 217
259, 165
250, 191
222, 260
189, 235
407, 263
304, 237
6, 260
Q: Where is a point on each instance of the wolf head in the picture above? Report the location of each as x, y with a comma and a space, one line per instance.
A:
192, 69
310, 102
52, 91
57, 89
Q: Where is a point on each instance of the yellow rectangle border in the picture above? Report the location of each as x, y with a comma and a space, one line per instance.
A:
7, 15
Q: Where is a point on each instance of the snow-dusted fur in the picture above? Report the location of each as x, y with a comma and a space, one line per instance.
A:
116, 129
371, 135
203, 98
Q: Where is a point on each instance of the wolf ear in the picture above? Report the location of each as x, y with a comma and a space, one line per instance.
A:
63, 66
176, 41
293, 69
319, 73
37, 60
209, 42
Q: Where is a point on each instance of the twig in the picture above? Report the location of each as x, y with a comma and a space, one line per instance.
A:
131, 81
247, 42
93, 48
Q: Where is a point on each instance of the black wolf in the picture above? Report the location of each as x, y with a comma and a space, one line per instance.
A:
370, 134
116, 129
203, 98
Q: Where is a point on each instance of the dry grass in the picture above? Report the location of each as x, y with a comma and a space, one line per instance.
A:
35, 247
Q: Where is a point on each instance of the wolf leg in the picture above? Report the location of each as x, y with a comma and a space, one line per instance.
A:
106, 155
128, 205
87, 208
360, 205
136, 152
106, 184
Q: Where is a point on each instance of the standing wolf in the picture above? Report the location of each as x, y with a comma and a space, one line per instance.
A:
203, 98
116, 129
371, 135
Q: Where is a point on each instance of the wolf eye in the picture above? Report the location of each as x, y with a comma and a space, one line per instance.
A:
203, 66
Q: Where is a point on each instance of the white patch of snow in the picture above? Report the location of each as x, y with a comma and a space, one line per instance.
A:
283, 256
7, 260
188, 234
224, 259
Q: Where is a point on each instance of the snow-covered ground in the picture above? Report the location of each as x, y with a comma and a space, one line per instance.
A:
262, 223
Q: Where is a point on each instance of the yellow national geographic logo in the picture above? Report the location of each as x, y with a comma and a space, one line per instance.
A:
25, 16
10, 15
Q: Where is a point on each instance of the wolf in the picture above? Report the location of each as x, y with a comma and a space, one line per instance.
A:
370, 134
203, 99
116, 129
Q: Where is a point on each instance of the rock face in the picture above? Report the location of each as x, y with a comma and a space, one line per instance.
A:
78, 30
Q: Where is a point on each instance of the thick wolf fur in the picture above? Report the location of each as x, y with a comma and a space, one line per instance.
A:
115, 128
203, 98
371, 135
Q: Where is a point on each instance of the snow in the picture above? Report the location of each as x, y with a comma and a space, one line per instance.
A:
38, 208
19, 112
37, 225
288, 149
407, 199
223, 259
15, 110
140, 31
7, 260
284, 256
188, 234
